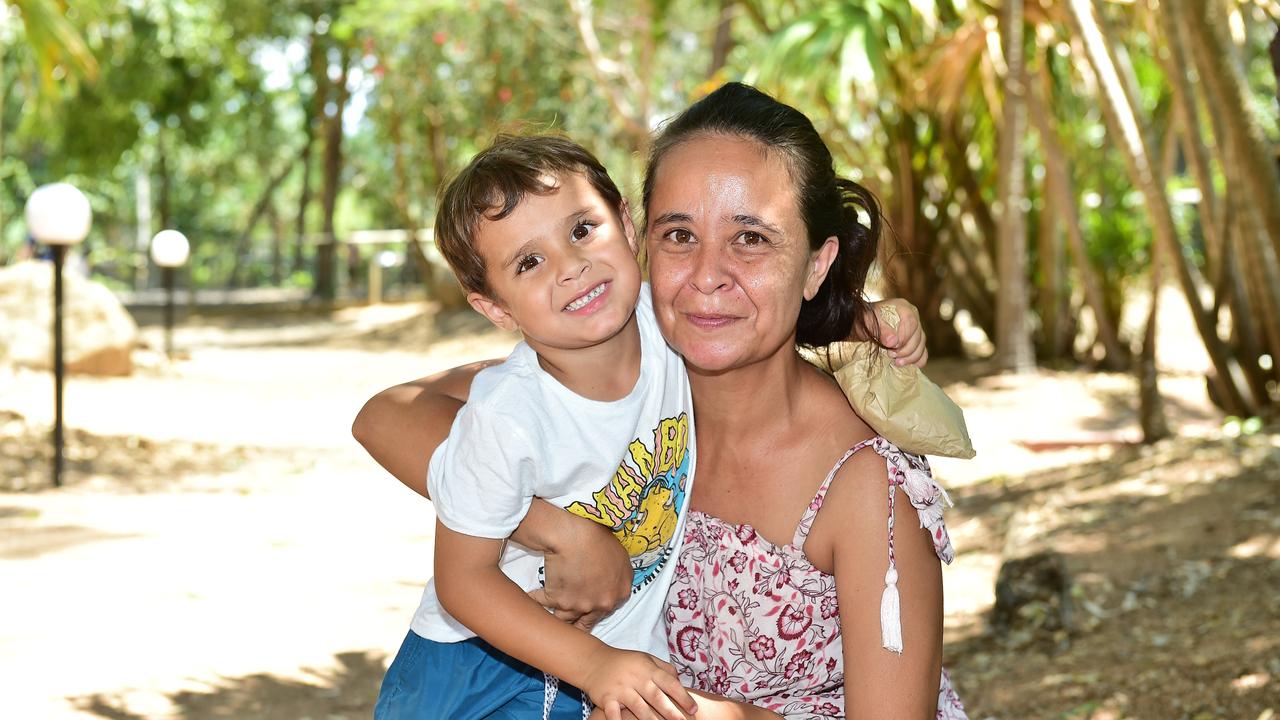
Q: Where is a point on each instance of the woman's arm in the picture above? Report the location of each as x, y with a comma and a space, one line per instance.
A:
879, 683
588, 571
403, 425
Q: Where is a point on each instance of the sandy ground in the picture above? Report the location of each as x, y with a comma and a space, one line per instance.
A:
223, 549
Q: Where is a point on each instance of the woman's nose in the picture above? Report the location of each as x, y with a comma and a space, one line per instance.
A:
710, 269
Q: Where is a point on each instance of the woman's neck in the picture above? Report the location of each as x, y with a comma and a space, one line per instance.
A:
749, 401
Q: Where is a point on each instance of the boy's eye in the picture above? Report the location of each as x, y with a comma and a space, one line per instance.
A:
528, 262
679, 235
582, 230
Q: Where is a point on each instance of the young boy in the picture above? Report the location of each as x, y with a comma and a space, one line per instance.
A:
591, 412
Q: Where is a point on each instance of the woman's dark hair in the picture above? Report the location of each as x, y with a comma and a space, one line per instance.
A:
829, 205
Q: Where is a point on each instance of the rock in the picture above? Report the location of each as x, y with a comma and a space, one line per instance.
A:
99, 334
1033, 600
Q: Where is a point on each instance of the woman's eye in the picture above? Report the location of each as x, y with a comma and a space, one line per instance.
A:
752, 239
679, 236
582, 230
528, 262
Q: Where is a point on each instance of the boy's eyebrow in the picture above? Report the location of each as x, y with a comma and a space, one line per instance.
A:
672, 217
519, 253
753, 221
577, 215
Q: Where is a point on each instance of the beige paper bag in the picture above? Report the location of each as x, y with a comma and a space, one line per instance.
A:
899, 403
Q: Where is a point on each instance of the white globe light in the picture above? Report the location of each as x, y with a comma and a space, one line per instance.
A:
58, 214
388, 258
169, 248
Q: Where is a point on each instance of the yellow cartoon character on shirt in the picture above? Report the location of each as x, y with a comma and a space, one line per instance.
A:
644, 535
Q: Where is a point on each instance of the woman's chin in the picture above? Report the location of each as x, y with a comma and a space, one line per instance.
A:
712, 361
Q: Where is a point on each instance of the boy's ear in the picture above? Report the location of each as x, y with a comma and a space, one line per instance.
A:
628, 226
492, 309
821, 260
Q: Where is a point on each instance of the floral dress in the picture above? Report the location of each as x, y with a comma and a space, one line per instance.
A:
757, 622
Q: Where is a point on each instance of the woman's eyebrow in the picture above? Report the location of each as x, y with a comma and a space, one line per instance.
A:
753, 221
672, 217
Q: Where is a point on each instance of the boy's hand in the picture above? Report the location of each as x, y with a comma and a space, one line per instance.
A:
637, 682
906, 343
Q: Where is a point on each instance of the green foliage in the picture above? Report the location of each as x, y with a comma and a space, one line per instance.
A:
209, 100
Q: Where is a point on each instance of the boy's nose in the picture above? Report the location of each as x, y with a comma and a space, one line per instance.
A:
573, 266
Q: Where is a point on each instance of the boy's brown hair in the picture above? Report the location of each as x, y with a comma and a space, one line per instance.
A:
493, 184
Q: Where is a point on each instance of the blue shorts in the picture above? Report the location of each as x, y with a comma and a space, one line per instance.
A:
468, 680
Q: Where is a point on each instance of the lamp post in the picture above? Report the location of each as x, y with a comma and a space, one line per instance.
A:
169, 249
59, 216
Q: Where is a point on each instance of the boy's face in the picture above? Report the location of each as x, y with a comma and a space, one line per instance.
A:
561, 268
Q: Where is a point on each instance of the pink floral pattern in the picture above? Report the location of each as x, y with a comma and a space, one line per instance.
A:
758, 622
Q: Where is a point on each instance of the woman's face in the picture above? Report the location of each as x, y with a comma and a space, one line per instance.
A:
729, 258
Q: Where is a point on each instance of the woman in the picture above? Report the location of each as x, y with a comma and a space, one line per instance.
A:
782, 599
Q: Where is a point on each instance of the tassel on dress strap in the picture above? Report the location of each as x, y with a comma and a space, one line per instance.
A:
890, 610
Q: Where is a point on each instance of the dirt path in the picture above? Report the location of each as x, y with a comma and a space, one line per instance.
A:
225, 550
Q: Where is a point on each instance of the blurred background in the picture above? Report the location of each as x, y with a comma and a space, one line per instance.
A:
1084, 203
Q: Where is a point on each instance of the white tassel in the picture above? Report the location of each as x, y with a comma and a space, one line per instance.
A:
890, 616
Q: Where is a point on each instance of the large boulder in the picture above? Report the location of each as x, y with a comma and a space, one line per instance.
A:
98, 333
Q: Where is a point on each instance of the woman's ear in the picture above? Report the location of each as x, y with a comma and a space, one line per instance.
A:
494, 310
820, 263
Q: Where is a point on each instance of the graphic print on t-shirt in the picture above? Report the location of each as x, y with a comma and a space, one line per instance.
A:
643, 500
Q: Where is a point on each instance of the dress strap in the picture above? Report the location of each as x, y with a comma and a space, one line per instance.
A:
811, 512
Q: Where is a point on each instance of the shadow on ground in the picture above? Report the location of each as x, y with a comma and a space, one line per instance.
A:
346, 692
1175, 554
126, 463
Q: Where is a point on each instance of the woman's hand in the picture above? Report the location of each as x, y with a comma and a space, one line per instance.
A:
906, 343
588, 573
712, 707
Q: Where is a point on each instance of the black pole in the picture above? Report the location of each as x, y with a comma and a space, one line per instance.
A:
59, 254
168, 312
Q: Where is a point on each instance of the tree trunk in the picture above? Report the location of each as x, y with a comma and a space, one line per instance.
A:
1013, 340
1058, 181
332, 172
1176, 67
400, 198
722, 42
977, 300
1257, 325
1051, 294
164, 197
1124, 126
277, 244
617, 81
243, 242
1275, 59
1151, 415
1206, 32
312, 109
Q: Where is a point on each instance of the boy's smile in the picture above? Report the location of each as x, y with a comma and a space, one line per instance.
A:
561, 268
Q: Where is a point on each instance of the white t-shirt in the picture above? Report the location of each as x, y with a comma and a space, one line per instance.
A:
626, 463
